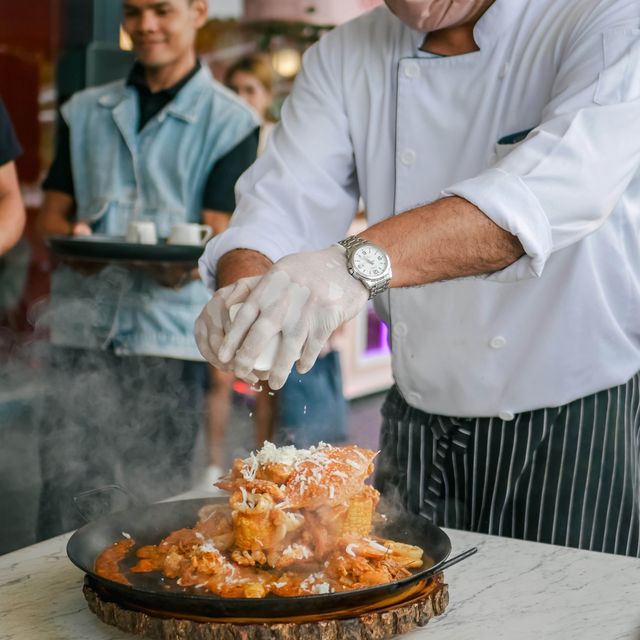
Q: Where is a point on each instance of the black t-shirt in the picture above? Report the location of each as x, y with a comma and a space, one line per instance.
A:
219, 187
9, 146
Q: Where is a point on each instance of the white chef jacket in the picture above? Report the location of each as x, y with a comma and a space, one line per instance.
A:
371, 115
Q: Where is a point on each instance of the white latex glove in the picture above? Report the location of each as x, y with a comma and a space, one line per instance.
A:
213, 321
304, 297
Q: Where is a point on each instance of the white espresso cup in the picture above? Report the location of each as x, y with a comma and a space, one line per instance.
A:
189, 233
142, 232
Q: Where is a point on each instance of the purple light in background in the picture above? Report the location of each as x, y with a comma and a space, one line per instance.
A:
376, 343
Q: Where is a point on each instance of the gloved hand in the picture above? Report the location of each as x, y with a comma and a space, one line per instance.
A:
213, 322
305, 297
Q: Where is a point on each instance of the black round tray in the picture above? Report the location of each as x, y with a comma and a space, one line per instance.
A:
115, 249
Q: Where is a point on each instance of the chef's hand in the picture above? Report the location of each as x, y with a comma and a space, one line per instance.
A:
304, 297
213, 321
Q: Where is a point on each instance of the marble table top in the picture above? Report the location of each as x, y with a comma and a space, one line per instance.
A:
509, 589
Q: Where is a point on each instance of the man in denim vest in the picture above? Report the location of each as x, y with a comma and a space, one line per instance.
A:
165, 145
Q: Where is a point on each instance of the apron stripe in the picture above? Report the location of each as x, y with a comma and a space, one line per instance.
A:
568, 475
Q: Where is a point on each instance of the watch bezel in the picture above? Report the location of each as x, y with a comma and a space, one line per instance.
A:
375, 286
379, 251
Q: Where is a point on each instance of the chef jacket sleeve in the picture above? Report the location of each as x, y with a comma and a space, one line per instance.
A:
301, 194
563, 181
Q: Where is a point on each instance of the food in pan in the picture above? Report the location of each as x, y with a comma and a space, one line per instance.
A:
298, 522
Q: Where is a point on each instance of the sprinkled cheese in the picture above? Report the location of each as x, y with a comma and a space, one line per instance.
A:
332, 491
321, 588
245, 499
279, 585
295, 549
350, 548
199, 535
378, 546
289, 455
126, 535
354, 464
208, 547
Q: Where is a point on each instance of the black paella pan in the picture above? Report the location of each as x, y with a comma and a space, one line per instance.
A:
149, 524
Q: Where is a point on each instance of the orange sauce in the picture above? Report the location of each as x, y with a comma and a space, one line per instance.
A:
108, 562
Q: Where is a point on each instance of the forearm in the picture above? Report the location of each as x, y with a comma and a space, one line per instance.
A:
450, 238
217, 220
240, 263
55, 217
12, 216
12, 220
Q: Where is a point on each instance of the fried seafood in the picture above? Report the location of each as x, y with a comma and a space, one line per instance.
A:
298, 522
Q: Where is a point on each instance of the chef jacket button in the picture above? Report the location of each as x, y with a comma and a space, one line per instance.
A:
408, 156
411, 70
413, 397
497, 342
400, 329
506, 416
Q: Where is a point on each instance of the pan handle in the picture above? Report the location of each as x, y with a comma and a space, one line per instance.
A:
459, 558
94, 503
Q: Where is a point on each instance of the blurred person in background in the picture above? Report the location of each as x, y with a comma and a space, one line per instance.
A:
252, 79
167, 145
496, 144
12, 214
14, 253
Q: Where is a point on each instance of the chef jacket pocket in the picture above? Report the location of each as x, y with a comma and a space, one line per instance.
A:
508, 143
619, 81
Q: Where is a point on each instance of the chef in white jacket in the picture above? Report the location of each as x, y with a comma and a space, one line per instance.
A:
496, 145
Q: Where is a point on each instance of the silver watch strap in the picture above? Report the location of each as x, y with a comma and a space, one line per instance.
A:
350, 244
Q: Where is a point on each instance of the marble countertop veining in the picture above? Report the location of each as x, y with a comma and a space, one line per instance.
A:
509, 590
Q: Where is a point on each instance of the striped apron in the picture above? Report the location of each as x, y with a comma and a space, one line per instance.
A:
567, 476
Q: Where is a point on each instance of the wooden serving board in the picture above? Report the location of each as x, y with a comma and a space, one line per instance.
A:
384, 620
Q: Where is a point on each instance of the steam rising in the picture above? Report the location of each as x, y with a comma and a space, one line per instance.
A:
103, 419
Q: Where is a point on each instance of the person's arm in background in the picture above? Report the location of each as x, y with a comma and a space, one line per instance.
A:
56, 216
57, 213
219, 193
219, 199
12, 214
218, 202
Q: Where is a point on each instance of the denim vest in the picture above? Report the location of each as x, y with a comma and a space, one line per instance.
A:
156, 174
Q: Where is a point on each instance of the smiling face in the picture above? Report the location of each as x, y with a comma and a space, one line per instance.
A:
432, 15
163, 32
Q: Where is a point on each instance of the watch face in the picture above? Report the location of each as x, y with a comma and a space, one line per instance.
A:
370, 261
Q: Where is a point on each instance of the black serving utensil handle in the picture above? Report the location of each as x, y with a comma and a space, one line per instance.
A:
459, 558
94, 503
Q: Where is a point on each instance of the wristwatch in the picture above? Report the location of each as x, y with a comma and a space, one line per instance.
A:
368, 263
